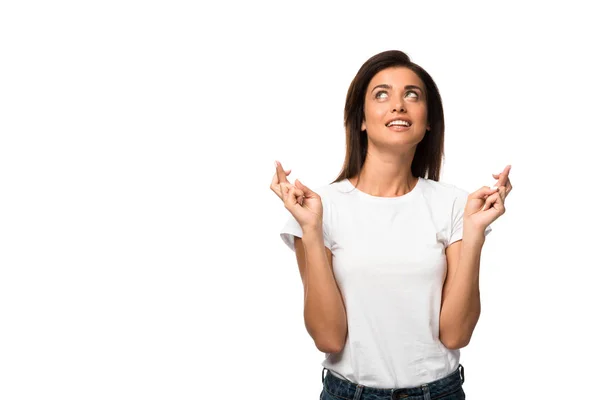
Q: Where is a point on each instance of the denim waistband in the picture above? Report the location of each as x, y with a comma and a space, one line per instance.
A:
438, 388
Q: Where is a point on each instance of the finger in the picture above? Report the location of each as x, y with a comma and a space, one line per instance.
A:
508, 185
281, 175
503, 177
496, 201
486, 204
506, 171
497, 184
276, 187
304, 188
502, 192
296, 192
292, 195
287, 196
275, 179
284, 194
490, 201
497, 204
483, 192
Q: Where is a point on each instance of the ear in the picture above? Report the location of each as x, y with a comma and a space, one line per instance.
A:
363, 126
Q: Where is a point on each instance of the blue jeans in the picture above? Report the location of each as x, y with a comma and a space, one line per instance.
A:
447, 388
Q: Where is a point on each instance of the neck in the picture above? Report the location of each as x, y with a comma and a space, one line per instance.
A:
386, 178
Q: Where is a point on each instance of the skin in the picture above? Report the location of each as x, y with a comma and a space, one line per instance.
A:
386, 172
304, 204
461, 304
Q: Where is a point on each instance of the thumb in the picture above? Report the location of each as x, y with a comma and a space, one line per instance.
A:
305, 189
289, 196
483, 192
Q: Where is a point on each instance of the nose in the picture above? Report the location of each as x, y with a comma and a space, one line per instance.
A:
398, 105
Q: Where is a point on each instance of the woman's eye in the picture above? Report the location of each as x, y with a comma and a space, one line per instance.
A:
415, 93
383, 94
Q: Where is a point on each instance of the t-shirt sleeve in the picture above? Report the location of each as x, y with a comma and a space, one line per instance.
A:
458, 209
292, 228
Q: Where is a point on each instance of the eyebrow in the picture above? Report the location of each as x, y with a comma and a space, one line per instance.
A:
386, 86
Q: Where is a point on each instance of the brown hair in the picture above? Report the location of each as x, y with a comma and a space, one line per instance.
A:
428, 156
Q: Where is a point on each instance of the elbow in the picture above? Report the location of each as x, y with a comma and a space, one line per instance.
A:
454, 342
457, 336
327, 348
455, 345
330, 342
331, 346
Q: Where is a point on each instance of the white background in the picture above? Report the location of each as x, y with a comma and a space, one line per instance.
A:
140, 254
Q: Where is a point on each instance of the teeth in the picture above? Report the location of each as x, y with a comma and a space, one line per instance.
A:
398, 122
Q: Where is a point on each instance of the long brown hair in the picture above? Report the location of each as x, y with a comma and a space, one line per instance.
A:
429, 153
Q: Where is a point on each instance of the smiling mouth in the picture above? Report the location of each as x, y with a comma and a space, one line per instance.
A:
399, 123
398, 127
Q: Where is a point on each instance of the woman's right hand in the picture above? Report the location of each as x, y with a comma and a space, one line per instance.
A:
304, 204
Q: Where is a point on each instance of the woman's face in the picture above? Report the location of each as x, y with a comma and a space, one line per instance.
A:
395, 93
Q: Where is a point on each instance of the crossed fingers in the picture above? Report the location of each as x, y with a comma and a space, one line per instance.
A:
503, 180
280, 180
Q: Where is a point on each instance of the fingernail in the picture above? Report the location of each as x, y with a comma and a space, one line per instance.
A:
494, 187
276, 164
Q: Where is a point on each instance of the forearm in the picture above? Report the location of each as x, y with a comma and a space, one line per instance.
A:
324, 311
462, 305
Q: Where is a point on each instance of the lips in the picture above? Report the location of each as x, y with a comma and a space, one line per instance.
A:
390, 122
398, 128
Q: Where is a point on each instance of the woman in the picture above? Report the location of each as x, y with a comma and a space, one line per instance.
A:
388, 255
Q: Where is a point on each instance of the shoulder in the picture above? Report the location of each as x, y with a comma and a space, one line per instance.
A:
443, 190
331, 190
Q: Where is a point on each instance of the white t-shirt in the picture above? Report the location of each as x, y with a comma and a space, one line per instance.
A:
390, 264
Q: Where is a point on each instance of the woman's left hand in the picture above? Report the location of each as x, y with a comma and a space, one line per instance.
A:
485, 205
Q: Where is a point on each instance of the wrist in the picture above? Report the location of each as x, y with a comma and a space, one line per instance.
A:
312, 235
312, 230
473, 233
